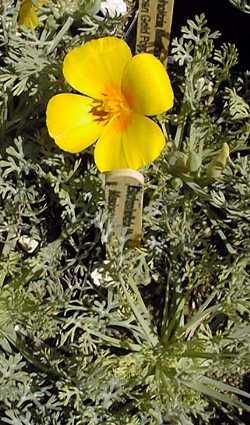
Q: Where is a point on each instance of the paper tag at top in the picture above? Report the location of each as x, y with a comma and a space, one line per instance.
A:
124, 198
154, 26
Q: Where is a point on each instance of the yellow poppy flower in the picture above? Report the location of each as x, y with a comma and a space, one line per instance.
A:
28, 12
119, 92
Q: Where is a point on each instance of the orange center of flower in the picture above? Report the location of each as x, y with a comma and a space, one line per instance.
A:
113, 106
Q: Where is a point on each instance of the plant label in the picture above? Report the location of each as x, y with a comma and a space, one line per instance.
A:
124, 198
154, 27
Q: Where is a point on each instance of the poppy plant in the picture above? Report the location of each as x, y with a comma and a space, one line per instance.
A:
119, 92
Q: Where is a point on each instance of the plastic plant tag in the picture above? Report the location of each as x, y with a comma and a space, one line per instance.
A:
154, 27
124, 198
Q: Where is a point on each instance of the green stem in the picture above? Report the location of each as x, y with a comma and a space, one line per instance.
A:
116, 342
165, 314
151, 338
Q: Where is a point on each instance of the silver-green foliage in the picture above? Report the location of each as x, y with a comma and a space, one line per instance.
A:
243, 5
92, 335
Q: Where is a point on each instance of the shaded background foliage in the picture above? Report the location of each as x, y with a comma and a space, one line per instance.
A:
93, 335
231, 21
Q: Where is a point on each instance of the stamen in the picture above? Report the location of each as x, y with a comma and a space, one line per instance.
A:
112, 106
100, 115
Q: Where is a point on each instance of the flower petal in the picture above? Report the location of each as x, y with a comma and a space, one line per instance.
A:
139, 144
146, 85
70, 122
27, 14
97, 66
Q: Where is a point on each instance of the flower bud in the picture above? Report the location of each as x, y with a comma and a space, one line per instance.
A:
217, 165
